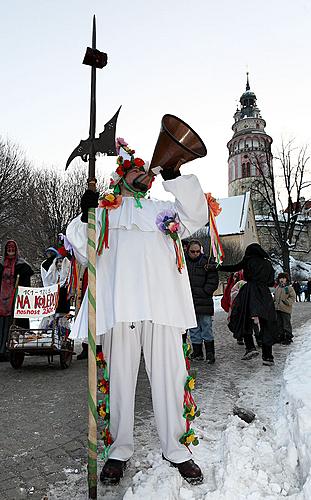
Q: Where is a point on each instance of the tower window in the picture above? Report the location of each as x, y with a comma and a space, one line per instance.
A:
246, 169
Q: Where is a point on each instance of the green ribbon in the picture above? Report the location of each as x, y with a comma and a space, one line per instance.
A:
137, 194
102, 231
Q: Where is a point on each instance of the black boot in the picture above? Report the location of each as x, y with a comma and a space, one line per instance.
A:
189, 470
210, 352
197, 352
84, 353
112, 471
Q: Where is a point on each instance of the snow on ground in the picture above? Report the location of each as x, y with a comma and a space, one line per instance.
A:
267, 459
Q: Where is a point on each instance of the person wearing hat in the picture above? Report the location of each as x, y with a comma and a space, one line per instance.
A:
14, 271
143, 300
253, 308
284, 297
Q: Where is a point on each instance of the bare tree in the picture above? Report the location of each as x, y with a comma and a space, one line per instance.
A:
233, 252
14, 174
53, 200
281, 190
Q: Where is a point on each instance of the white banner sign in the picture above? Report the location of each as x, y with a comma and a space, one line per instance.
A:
36, 302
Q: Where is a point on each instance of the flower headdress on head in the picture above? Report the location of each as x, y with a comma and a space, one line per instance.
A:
126, 161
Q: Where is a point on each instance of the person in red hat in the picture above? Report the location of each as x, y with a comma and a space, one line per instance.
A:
13, 272
143, 302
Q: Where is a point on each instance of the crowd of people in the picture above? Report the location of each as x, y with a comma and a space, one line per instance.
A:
302, 290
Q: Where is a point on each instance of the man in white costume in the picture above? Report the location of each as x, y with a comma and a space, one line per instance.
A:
143, 302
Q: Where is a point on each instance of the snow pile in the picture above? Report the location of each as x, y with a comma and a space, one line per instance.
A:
294, 432
299, 270
268, 459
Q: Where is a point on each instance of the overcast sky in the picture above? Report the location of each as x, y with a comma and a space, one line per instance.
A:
166, 56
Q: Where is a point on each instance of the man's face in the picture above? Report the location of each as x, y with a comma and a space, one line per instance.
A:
10, 249
135, 175
59, 264
194, 251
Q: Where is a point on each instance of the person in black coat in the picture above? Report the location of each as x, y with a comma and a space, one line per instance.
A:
297, 287
204, 281
14, 271
253, 307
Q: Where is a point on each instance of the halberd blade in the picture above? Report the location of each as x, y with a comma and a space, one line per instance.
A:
106, 142
82, 150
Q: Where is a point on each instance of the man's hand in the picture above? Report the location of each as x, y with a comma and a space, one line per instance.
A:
169, 173
88, 200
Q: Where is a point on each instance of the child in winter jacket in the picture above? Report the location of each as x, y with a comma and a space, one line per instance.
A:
284, 297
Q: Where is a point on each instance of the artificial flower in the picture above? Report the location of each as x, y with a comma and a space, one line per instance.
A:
120, 142
190, 383
110, 201
103, 386
173, 227
213, 204
139, 162
100, 357
126, 164
101, 410
120, 171
168, 223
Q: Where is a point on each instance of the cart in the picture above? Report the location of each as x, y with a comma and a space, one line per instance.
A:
51, 339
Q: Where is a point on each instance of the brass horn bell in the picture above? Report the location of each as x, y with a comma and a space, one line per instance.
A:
177, 144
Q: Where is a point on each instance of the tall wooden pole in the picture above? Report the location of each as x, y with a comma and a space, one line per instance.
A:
92, 370
87, 149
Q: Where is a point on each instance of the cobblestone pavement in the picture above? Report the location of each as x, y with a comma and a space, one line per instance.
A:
43, 418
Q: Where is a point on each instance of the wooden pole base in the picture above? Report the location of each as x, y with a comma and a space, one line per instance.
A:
93, 492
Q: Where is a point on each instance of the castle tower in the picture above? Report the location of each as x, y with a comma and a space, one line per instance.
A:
249, 149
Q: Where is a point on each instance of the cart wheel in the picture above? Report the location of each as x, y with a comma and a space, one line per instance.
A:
65, 359
16, 359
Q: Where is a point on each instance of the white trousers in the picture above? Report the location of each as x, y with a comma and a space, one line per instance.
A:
165, 366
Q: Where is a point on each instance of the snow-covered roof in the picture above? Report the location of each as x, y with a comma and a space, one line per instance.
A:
232, 219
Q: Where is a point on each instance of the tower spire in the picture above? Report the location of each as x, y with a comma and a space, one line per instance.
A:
247, 82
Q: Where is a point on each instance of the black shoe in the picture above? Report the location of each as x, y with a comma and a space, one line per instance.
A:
210, 352
84, 353
197, 352
189, 470
112, 471
268, 361
249, 354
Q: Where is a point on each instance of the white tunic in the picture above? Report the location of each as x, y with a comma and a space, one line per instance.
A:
137, 278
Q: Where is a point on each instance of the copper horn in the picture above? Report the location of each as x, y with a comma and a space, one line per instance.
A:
177, 144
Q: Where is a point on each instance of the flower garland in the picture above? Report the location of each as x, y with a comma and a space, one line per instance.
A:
168, 222
216, 246
191, 410
103, 406
108, 201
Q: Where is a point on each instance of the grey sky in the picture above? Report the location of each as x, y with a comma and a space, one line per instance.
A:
169, 56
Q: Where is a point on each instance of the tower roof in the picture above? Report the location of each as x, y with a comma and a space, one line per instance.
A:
248, 98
